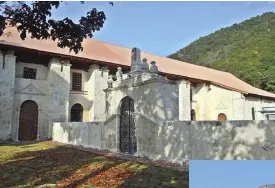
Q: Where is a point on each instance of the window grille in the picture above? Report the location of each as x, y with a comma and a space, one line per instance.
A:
29, 73
77, 81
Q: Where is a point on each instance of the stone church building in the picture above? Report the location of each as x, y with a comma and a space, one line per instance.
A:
41, 84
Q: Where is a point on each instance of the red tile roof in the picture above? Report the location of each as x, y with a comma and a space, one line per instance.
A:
96, 50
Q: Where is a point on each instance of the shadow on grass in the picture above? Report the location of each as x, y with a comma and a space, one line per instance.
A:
45, 163
21, 143
155, 177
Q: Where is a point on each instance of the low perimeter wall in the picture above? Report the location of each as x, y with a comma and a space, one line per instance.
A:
87, 134
268, 186
208, 140
179, 141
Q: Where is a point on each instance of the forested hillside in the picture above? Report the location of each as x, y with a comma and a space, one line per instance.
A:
246, 50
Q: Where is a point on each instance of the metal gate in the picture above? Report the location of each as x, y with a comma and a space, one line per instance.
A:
127, 127
28, 121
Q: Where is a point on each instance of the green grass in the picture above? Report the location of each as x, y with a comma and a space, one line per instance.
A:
46, 164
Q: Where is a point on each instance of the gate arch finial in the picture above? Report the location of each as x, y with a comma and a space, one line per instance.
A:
136, 60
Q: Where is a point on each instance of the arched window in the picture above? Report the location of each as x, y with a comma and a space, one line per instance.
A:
76, 113
193, 115
253, 113
222, 117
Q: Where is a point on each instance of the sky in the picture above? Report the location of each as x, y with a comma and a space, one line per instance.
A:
231, 174
162, 28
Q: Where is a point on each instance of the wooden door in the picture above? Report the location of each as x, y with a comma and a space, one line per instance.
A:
222, 117
28, 121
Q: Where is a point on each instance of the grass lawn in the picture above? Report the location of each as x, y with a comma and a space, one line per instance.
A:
47, 164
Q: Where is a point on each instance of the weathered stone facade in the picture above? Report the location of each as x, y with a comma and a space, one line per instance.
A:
155, 97
59, 86
87, 134
209, 101
98, 82
178, 141
7, 81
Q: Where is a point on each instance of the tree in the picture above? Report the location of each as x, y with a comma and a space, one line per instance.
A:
35, 20
246, 50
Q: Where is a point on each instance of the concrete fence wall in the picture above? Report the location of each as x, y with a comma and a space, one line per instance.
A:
87, 134
208, 140
178, 141
268, 186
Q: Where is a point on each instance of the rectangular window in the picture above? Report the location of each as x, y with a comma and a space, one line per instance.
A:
76, 81
29, 73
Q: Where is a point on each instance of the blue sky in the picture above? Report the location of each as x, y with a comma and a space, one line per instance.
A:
162, 28
231, 174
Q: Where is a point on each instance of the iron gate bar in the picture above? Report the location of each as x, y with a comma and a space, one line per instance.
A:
127, 126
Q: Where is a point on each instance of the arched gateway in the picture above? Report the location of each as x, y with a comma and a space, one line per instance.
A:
28, 121
127, 128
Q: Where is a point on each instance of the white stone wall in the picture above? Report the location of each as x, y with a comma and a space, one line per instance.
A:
232, 140
59, 86
85, 78
199, 98
37, 91
92, 97
156, 99
258, 104
81, 97
41, 70
31, 87
51, 91
84, 134
99, 103
178, 141
209, 102
239, 111
7, 79
184, 101
207, 140
213, 100
97, 83
249, 104
111, 133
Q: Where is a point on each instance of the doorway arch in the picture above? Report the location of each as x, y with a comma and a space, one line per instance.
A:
77, 113
222, 117
127, 128
28, 120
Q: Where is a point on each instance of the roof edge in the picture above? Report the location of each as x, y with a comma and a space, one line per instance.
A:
17, 45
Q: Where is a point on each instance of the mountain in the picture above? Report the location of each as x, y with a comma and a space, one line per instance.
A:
247, 50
